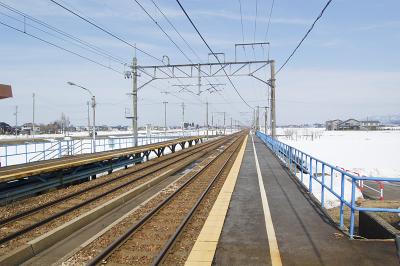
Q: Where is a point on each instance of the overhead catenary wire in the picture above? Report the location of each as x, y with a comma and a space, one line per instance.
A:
83, 44
212, 52
305, 36
59, 37
60, 47
162, 29
255, 22
106, 31
183, 39
269, 20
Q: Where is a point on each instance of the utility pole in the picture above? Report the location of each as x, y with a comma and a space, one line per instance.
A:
231, 126
207, 118
33, 116
265, 120
134, 102
199, 80
273, 110
254, 119
258, 118
88, 116
16, 120
224, 125
183, 119
165, 118
94, 122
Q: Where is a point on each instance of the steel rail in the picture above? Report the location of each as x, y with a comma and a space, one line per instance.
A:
161, 256
67, 197
86, 202
124, 237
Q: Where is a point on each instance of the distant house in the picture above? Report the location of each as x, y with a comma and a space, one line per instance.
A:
370, 125
332, 124
27, 128
350, 124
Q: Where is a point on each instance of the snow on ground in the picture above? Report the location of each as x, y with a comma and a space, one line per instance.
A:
369, 153
11, 154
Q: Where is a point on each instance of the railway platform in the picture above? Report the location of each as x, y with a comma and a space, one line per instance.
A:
18, 181
272, 220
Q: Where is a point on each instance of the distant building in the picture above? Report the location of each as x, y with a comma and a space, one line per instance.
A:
370, 125
351, 124
27, 128
332, 124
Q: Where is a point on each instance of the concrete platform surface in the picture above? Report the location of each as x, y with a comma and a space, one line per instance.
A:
304, 236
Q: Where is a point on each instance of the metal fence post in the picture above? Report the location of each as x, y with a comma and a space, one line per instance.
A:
353, 205
26, 153
342, 202
311, 173
6, 158
301, 168
323, 185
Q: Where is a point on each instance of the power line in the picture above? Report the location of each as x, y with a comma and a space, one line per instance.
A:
269, 19
162, 29
176, 30
209, 48
60, 47
305, 36
90, 47
255, 21
58, 37
241, 19
184, 40
105, 30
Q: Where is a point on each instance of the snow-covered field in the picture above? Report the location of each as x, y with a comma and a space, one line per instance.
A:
369, 153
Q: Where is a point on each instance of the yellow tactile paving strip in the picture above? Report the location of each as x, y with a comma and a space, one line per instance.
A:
204, 249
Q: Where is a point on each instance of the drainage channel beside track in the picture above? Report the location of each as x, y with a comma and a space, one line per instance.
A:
33, 222
147, 236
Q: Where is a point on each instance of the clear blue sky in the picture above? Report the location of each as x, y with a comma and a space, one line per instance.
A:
348, 67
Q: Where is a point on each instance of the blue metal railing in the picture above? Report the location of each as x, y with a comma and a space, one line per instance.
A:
308, 169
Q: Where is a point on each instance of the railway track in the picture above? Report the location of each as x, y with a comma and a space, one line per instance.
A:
149, 240
16, 226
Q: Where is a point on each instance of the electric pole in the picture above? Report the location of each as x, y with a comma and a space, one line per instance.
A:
273, 110
134, 102
183, 119
88, 116
165, 118
207, 118
16, 120
33, 116
258, 118
231, 126
265, 120
224, 125
94, 122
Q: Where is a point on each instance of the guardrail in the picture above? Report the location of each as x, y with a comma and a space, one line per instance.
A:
38, 151
331, 180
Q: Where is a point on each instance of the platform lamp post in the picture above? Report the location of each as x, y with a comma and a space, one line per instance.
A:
94, 113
